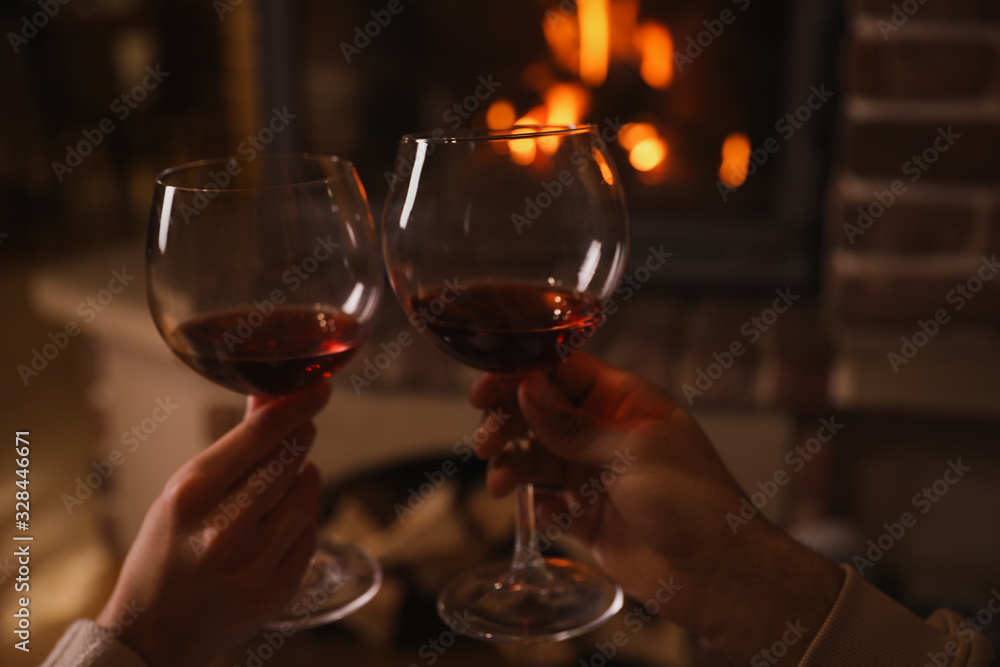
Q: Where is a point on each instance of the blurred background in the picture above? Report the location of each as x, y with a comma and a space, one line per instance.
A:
823, 172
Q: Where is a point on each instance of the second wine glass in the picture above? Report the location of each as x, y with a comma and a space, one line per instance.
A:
504, 245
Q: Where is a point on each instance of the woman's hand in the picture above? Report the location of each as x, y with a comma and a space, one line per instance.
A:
224, 546
647, 492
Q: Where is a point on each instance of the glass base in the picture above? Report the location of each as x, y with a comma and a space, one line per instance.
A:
340, 579
563, 600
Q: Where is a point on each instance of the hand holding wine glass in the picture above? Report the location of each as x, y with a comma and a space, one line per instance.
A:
265, 278
201, 576
536, 244
659, 527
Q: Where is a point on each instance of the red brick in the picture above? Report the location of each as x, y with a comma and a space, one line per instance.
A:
908, 227
921, 69
902, 300
884, 149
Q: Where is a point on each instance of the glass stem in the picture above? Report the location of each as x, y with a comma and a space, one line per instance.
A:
527, 555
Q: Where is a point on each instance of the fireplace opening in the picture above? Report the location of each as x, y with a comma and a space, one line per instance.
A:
721, 110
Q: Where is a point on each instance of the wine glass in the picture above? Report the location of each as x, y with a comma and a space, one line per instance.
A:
504, 244
265, 277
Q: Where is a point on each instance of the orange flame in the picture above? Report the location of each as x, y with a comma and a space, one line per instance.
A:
648, 154
595, 39
735, 159
656, 49
501, 114
522, 151
603, 29
624, 17
537, 116
566, 103
632, 133
563, 37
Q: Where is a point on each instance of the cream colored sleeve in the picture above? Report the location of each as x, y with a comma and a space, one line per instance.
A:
86, 644
866, 627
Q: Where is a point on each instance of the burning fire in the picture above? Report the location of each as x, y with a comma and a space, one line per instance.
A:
735, 159
522, 151
648, 154
585, 45
647, 150
633, 133
656, 48
566, 103
501, 114
605, 28
563, 36
595, 39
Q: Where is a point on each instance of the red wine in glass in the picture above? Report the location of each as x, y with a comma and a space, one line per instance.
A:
507, 327
283, 352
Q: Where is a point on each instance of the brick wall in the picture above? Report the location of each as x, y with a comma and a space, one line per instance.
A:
920, 158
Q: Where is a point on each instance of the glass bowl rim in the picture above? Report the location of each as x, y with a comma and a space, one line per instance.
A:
501, 134
210, 186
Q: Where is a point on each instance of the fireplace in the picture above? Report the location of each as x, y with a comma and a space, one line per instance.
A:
725, 107
723, 151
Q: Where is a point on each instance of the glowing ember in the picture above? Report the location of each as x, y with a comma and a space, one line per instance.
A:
624, 18
595, 38
648, 154
602, 30
563, 37
501, 114
537, 116
656, 49
735, 159
522, 151
632, 133
566, 103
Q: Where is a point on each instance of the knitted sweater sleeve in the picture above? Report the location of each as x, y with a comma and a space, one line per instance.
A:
866, 627
86, 644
